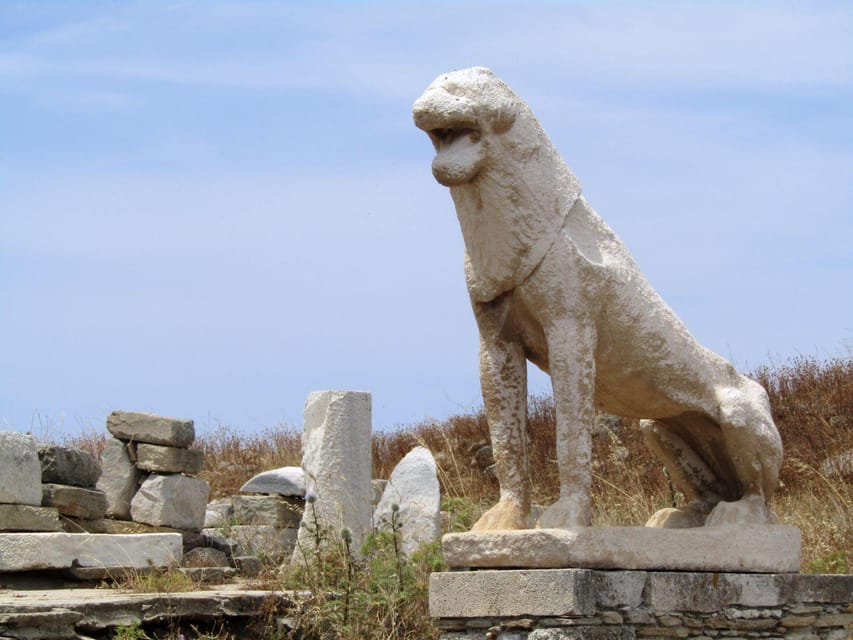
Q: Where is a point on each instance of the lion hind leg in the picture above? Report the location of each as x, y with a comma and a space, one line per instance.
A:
690, 471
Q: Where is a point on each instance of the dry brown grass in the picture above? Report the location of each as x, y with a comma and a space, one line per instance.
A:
812, 404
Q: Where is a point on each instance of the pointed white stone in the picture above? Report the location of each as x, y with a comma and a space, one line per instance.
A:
413, 487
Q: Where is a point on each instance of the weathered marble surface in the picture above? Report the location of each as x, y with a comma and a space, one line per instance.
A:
337, 461
413, 488
285, 481
549, 281
120, 478
171, 501
146, 427
32, 551
741, 548
20, 470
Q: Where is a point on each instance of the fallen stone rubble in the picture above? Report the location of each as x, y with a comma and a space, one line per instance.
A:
77, 614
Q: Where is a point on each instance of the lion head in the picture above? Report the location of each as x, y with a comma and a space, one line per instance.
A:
511, 189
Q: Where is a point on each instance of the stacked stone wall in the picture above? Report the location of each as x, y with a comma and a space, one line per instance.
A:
623, 605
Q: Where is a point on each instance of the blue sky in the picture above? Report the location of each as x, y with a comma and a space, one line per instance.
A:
209, 209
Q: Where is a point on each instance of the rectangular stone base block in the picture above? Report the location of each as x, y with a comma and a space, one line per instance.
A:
742, 548
563, 604
34, 551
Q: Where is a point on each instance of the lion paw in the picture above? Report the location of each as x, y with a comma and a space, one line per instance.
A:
748, 510
505, 515
564, 514
671, 518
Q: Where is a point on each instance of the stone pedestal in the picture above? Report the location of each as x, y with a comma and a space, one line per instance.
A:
739, 548
636, 582
564, 604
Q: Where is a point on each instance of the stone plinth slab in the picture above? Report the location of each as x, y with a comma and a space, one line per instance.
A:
273, 510
171, 501
155, 457
34, 551
744, 548
68, 465
20, 470
19, 517
147, 427
77, 502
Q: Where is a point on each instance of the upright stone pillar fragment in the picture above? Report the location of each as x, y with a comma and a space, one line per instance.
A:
20, 470
336, 457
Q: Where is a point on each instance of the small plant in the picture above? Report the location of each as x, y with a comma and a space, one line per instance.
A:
375, 594
131, 632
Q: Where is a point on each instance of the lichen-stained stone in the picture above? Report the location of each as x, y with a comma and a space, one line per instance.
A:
285, 481
120, 478
273, 510
68, 465
89, 504
32, 551
550, 282
219, 513
413, 488
163, 459
20, 517
171, 501
20, 470
336, 458
147, 427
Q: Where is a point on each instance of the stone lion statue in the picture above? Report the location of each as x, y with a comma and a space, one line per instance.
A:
550, 282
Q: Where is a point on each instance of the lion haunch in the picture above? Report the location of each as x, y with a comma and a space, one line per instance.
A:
550, 282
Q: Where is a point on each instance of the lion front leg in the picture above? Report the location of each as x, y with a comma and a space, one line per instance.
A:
571, 356
503, 377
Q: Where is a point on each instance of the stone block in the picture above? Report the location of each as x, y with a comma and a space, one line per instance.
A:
413, 488
336, 457
20, 470
735, 548
20, 517
77, 502
273, 510
35, 551
147, 427
162, 459
171, 501
285, 481
205, 557
120, 478
261, 540
68, 465
219, 513
511, 593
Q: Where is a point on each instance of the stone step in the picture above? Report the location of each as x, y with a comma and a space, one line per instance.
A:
72, 613
39, 551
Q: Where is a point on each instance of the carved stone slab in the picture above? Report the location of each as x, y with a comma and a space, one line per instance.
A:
742, 548
32, 551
